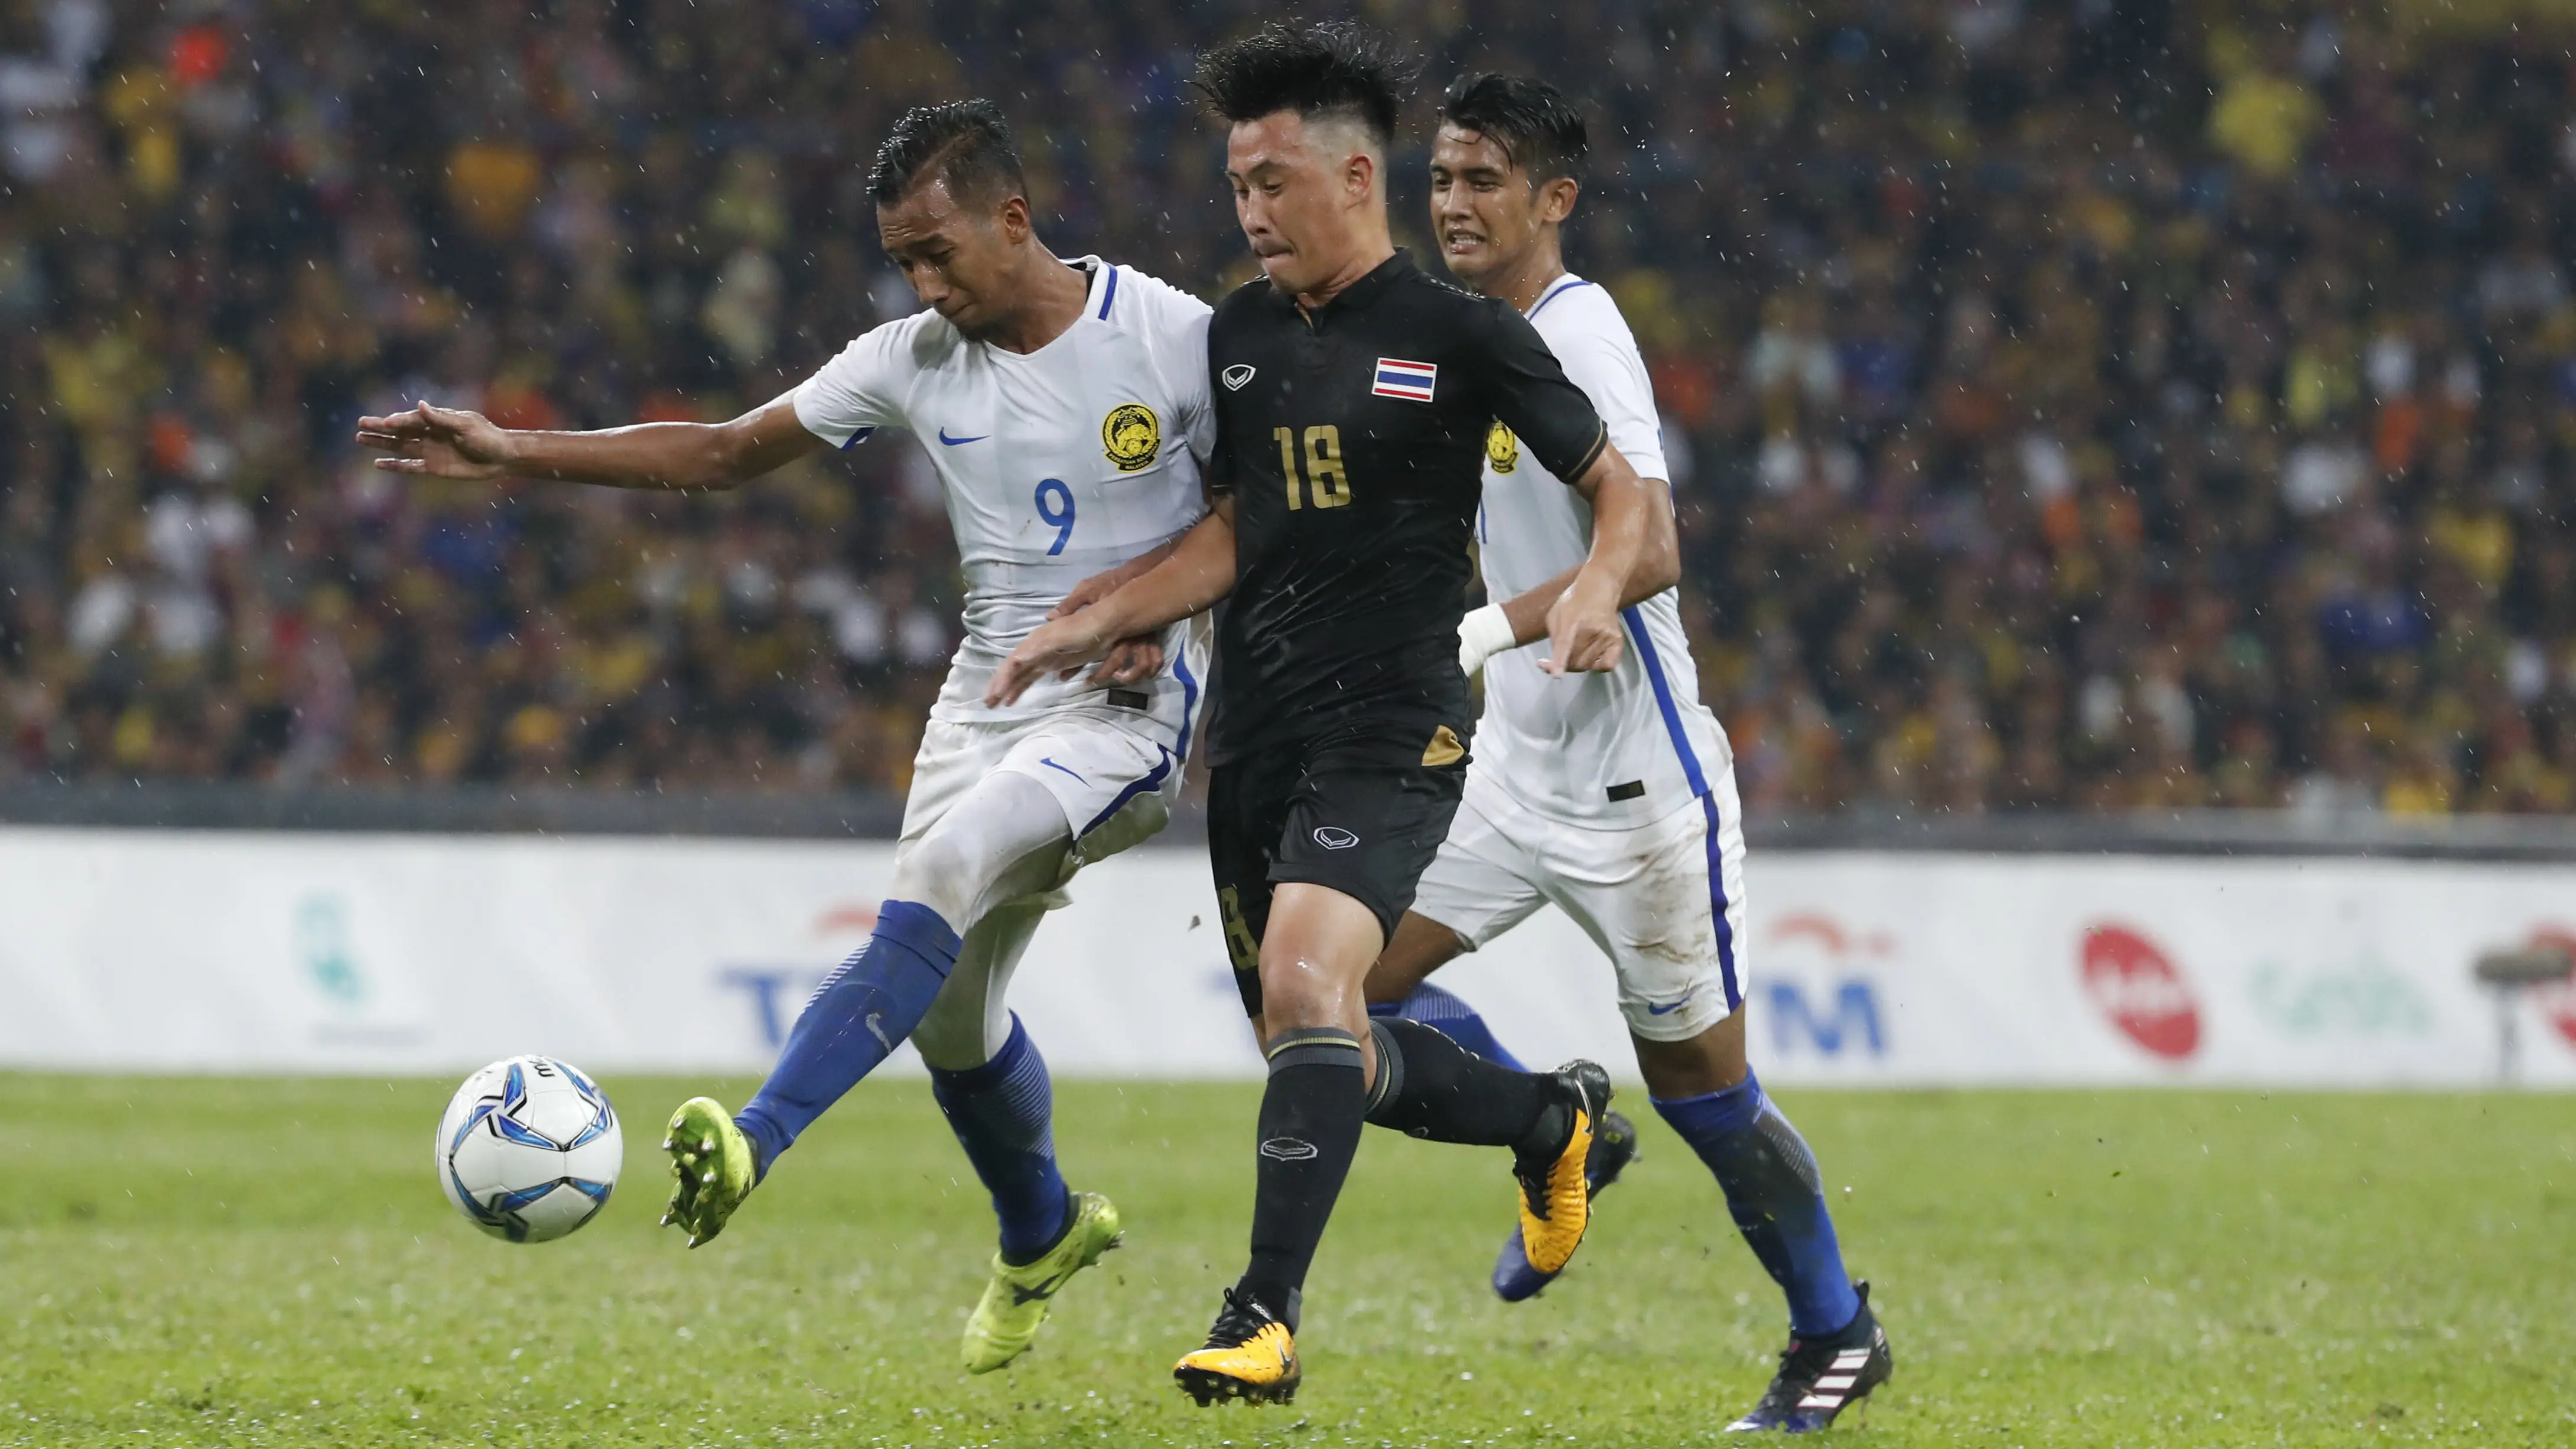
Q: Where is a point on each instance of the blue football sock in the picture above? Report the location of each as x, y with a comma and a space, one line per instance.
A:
1453, 1019
1775, 1195
1003, 1113
858, 1015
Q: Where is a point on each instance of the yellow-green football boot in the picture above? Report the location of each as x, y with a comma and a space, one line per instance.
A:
1015, 1302
713, 1162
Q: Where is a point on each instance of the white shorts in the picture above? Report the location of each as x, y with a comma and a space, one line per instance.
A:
1663, 900
1115, 771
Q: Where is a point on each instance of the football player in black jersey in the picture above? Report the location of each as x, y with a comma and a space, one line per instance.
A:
1353, 397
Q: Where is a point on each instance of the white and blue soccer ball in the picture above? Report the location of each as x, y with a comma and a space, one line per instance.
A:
529, 1149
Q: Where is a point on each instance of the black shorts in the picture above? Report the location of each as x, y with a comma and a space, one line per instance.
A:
1361, 815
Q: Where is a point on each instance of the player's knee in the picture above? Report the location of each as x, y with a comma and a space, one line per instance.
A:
1315, 959
1309, 990
1294, 997
941, 873
1709, 1060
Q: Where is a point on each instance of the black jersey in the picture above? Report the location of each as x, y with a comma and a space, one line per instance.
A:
1353, 443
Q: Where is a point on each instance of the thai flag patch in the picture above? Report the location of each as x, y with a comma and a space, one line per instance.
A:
1411, 381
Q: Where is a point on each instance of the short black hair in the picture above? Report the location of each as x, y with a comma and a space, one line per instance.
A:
964, 143
1333, 68
1539, 130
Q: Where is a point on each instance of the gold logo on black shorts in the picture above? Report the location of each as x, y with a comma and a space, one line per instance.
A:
1242, 948
1132, 436
1444, 749
1502, 449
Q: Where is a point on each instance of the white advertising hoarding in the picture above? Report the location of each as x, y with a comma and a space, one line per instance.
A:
380, 953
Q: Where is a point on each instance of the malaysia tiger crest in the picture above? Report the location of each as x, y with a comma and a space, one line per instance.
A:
1132, 436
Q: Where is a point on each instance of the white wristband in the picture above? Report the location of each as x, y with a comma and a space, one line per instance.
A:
1483, 634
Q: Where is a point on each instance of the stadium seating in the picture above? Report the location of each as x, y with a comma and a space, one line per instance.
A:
2085, 407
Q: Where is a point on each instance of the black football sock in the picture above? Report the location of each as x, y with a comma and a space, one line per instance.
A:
1429, 1086
1454, 1019
1310, 1130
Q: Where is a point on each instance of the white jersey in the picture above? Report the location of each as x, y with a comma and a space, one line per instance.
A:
1057, 464
1595, 749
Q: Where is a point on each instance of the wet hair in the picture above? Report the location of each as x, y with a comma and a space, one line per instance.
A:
966, 144
1335, 69
1539, 130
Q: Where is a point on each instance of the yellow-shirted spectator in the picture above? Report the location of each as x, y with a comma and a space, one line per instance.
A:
2479, 540
492, 184
2264, 121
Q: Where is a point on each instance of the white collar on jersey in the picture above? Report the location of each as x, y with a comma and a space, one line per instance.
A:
1104, 285
1556, 289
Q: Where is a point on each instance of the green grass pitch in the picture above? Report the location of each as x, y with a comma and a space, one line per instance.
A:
264, 1262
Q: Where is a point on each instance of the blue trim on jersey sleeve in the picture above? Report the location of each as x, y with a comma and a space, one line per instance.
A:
1109, 293
857, 438
1559, 292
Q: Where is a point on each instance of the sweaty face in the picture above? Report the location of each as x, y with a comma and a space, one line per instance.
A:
1294, 193
1483, 208
953, 255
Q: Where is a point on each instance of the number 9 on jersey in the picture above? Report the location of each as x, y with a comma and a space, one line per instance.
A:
1055, 509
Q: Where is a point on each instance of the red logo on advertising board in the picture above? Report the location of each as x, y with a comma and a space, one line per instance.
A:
846, 918
2557, 1004
2141, 991
1838, 944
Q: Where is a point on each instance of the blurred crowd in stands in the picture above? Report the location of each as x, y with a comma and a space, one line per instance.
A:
2106, 405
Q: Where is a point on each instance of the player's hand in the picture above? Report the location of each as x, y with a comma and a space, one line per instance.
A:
1129, 661
438, 442
1583, 633
1091, 591
1054, 647
1139, 657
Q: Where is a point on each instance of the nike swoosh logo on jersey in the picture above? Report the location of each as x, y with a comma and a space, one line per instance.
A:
1236, 376
1653, 1010
953, 442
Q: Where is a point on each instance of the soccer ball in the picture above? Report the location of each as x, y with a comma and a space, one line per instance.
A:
529, 1149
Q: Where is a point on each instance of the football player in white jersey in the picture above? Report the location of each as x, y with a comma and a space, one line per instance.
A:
1611, 795
1064, 405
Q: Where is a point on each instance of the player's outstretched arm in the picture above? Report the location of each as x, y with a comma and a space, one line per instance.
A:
1522, 618
1197, 573
1138, 657
454, 443
1109, 581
